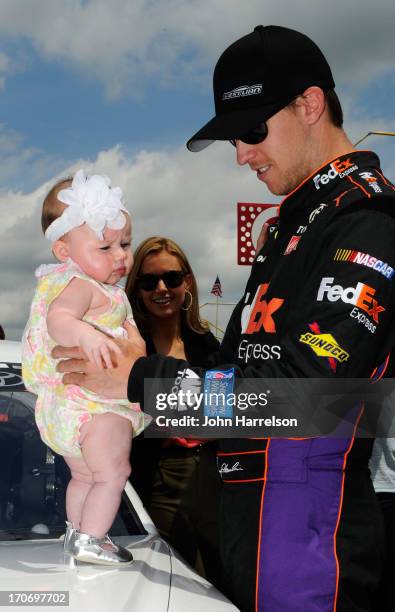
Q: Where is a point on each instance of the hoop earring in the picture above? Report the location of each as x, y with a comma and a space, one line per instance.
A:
190, 301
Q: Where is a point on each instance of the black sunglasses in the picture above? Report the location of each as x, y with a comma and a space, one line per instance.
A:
253, 137
172, 280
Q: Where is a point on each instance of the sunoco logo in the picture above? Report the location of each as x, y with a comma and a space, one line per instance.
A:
324, 345
243, 90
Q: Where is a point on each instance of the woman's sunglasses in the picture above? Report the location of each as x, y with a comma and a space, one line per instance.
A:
172, 280
254, 136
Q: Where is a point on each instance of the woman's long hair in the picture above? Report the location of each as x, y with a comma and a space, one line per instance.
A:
155, 244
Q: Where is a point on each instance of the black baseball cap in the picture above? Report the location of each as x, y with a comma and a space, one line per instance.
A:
257, 76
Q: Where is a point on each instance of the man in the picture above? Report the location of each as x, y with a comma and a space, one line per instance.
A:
301, 529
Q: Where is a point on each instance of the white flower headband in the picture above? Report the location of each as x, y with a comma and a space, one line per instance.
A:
90, 200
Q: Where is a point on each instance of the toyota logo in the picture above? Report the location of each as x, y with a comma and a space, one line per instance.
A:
10, 376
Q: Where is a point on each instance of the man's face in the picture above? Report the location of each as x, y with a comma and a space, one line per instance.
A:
283, 160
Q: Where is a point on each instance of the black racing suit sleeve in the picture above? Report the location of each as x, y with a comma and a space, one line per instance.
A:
346, 299
159, 366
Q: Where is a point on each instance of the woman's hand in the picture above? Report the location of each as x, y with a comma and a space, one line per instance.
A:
111, 383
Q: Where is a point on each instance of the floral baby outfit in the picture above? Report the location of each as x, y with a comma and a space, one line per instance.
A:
62, 409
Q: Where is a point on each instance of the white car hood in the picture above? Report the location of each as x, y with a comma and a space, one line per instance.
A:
155, 582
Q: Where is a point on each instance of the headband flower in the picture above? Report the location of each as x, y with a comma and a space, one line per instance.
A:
90, 200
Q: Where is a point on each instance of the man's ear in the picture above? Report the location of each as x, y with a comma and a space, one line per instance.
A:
313, 104
61, 250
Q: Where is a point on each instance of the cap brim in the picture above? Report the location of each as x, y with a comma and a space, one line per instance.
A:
231, 126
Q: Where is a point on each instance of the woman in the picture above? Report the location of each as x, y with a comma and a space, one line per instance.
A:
176, 478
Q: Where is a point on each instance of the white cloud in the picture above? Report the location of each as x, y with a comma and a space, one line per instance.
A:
126, 44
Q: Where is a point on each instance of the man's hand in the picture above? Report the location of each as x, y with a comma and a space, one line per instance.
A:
264, 233
111, 383
262, 237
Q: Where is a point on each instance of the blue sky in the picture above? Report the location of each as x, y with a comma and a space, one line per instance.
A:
74, 117
117, 87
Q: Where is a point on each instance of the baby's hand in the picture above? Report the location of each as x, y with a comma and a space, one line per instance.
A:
97, 347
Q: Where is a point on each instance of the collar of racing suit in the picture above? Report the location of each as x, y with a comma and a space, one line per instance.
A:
324, 181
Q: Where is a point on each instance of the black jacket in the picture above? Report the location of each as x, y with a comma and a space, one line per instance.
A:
198, 347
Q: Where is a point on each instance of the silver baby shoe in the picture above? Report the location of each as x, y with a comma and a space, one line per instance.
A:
101, 551
70, 532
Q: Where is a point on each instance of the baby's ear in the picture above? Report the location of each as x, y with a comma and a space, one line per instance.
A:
61, 250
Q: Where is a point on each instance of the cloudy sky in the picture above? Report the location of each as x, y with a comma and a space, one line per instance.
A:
118, 86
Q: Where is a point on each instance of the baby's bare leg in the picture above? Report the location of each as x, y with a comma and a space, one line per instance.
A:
77, 489
106, 441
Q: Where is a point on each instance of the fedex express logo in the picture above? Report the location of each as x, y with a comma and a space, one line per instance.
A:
259, 314
361, 296
336, 169
255, 317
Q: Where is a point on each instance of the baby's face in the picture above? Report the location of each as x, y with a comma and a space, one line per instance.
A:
106, 261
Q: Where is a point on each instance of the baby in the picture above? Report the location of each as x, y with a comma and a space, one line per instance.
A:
77, 303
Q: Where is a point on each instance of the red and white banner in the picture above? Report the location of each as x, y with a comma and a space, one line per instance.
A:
250, 219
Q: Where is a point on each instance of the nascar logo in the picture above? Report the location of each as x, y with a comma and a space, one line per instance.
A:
324, 345
364, 259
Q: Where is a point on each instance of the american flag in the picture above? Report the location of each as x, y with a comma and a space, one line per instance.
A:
217, 289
